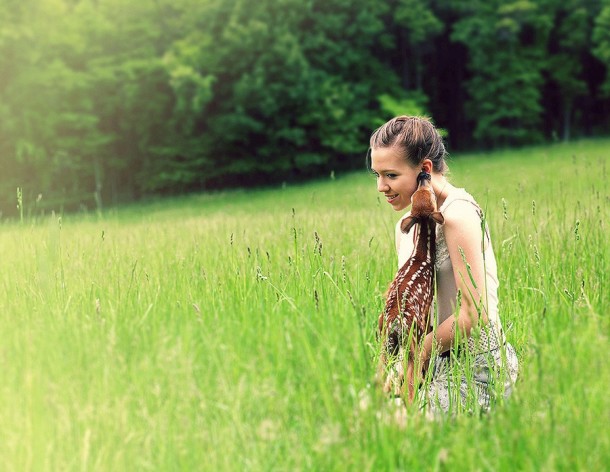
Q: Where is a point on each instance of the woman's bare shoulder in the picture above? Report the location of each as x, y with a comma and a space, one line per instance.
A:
461, 210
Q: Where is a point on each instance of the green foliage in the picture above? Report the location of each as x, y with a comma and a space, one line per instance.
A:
417, 26
419, 20
569, 44
279, 79
507, 46
413, 104
601, 39
78, 104
114, 100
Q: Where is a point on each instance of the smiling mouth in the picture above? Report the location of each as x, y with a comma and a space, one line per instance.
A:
391, 198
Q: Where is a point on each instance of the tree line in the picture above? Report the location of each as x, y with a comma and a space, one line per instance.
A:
104, 101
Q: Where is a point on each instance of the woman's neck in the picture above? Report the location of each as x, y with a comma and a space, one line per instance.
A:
442, 188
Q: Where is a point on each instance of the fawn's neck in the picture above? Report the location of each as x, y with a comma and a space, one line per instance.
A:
425, 241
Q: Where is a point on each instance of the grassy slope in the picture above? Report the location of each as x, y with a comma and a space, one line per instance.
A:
219, 332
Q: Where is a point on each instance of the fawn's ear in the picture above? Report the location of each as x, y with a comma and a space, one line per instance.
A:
407, 224
438, 217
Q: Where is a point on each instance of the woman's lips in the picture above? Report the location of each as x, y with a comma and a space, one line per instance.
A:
391, 198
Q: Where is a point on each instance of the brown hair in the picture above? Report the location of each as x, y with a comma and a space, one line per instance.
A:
416, 136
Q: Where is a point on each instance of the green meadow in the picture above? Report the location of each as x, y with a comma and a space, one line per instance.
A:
236, 330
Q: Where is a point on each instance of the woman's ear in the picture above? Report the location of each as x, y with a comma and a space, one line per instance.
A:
427, 166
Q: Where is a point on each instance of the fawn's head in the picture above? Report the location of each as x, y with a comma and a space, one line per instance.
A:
423, 204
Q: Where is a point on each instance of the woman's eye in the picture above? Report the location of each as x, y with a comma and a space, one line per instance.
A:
391, 176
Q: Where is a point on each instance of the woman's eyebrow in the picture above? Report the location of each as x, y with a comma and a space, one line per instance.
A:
384, 171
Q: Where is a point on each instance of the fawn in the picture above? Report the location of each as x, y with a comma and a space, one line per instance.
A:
405, 319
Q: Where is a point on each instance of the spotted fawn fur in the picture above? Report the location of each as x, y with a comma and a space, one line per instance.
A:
405, 319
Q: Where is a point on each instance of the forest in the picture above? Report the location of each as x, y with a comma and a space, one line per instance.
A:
111, 101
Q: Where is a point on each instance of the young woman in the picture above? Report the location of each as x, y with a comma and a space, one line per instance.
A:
472, 362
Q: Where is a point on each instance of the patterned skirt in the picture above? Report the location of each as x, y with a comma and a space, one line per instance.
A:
471, 379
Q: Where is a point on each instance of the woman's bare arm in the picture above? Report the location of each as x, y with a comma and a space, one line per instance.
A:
464, 239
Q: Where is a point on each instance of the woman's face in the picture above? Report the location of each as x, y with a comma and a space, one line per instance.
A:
396, 179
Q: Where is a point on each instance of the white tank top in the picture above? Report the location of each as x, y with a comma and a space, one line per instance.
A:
446, 289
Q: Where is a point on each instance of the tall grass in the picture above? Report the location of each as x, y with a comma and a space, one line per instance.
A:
237, 330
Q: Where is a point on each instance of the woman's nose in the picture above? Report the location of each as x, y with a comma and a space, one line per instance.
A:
382, 186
